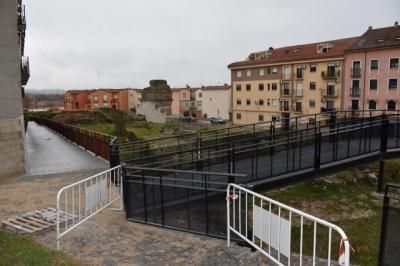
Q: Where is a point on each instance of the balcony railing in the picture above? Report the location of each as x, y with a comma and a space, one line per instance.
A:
285, 92
356, 72
25, 72
355, 92
326, 109
21, 17
286, 76
330, 74
330, 92
285, 108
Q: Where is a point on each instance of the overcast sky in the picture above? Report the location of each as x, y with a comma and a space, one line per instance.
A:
75, 44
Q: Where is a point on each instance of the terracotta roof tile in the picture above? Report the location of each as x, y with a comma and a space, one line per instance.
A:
377, 38
215, 88
301, 52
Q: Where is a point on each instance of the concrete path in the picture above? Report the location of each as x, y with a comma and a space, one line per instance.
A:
49, 153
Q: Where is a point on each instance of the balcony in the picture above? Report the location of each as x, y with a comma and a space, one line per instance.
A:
286, 76
330, 74
285, 107
356, 72
25, 72
355, 92
330, 92
285, 92
21, 17
298, 109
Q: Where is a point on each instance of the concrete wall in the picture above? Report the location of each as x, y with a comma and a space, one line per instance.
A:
10, 62
216, 103
12, 155
151, 112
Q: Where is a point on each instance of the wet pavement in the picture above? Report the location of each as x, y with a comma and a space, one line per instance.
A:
50, 153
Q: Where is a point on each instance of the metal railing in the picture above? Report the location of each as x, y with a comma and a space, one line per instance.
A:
330, 74
25, 70
355, 92
184, 200
356, 72
78, 202
278, 231
98, 143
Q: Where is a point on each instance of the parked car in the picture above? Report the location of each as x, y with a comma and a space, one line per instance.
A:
215, 120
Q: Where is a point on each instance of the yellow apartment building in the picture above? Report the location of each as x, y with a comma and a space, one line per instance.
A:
288, 82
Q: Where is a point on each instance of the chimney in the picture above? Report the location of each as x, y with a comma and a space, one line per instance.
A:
271, 48
370, 28
396, 23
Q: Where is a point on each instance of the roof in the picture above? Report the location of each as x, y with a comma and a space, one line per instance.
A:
77, 91
300, 52
216, 88
377, 38
185, 88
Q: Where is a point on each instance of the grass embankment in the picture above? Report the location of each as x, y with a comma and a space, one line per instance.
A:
24, 250
141, 132
348, 200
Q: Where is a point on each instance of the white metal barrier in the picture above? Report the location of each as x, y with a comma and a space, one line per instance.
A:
281, 232
78, 202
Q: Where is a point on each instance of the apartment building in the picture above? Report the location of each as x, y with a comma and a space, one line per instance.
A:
121, 99
14, 75
288, 81
372, 70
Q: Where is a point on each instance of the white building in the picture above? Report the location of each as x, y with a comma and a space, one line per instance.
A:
216, 101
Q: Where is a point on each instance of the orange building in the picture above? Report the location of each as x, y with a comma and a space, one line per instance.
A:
121, 99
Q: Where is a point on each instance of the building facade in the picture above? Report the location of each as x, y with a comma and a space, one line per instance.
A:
215, 101
372, 70
14, 75
121, 99
288, 82
186, 102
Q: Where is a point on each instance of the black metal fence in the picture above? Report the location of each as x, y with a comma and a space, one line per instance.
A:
185, 200
390, 232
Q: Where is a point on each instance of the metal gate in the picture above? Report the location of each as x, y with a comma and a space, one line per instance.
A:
282, 233
390, 232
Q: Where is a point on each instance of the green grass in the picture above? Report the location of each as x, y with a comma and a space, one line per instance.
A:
24, 250
153, 129
344, 198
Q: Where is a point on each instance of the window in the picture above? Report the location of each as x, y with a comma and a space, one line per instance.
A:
261, 102
313, 68
313, 85
274, 102
371, 105
184, 95
238, 87
392, 84
248, 87
391, 105
200, 94
260, 117
299, 73
115, 96
311, 103
298, 106
274, 86
262, 72
394, 62
354, 105
238, 116
96, 98
238, 101
248, 73
105, 104
248, 101
373, 84
268, 70
269, 86
374, 64
274, 70
330, 105
239, 74
261, 87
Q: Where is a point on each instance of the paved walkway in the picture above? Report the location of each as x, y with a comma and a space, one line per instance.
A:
49, 153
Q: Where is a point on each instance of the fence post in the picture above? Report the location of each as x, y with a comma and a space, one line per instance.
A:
383, 148
114, 153
317, 150
386, 201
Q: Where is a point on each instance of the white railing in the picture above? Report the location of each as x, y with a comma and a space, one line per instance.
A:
78, 202
283, 234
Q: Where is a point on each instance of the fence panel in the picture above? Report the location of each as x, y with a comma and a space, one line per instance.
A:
78, 202
283, 234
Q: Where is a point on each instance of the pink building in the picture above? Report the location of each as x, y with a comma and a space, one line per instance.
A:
372, 72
